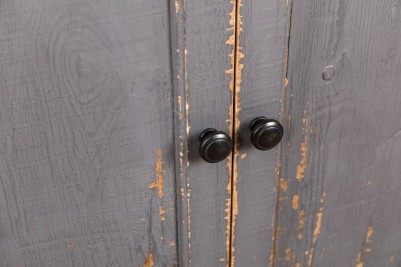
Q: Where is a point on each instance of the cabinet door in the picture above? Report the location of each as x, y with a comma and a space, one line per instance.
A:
102, 104
86, 129
261, 50
342, 161
203, 36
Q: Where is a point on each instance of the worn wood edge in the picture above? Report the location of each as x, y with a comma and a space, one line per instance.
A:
279, 189
181, 129
235, 72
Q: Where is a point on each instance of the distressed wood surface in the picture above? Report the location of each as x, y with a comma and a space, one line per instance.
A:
261, 72
342, 163
86, 123
201, 39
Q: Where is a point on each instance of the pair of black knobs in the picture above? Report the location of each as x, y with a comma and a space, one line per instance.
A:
215, 145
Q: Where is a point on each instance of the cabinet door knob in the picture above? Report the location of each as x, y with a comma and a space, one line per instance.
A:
214, 146
266, 133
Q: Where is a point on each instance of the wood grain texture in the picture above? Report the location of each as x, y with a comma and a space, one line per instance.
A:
262, 42
86, 123
342, 162
200, 30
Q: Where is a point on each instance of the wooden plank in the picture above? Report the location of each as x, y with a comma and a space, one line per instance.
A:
200, 30
261, 72
86, 160
342, 163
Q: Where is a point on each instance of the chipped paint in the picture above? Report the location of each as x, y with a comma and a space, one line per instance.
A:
159, 174
369, 234
289, 255
148, 262
304, 148
243, 156
171, 243
162, 212
359, 261
235, 72
365, 247
300, 224
302, 164
283, 184
177, 7
295, 202
316, 231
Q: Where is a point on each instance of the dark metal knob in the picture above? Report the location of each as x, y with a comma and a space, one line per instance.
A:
214, 146
266, 133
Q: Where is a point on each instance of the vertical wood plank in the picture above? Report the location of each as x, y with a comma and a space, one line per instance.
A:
86, 123
261, 72
200, 30
342, 162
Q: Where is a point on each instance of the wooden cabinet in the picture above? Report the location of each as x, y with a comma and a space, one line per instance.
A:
103, 102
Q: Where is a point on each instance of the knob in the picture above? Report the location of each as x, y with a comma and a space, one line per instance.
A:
266, 133
214, 146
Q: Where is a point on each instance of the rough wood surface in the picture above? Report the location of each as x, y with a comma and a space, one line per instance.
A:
342, 163
262, 42
200, 30
86, 123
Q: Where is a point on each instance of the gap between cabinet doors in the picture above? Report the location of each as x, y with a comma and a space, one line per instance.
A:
235, 88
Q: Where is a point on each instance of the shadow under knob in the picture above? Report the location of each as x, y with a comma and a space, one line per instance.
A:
214, 146
266, 133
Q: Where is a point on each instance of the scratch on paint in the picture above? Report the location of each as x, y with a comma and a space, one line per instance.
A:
181, 155
316, 231
148, 262
159, 174
188, 128
365, 247
179, 107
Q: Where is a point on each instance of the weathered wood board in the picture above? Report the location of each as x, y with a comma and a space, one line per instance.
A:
262, 45
342, 161
86, 129
202, 38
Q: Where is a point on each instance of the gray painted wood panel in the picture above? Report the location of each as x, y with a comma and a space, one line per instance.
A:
86, 129
342, 161
200, 31
262, 40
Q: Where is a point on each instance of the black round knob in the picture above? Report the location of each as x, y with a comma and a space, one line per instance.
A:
266, 133
214, 146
